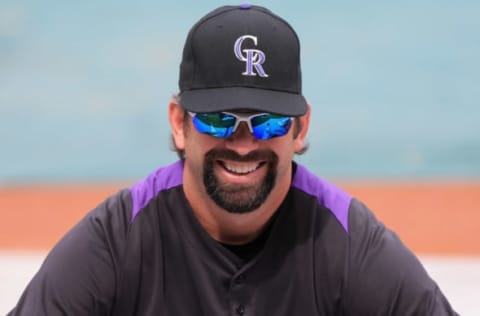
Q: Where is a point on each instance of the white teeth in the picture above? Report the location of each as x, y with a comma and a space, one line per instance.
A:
241, 169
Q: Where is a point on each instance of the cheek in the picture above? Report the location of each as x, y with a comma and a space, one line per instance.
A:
197, 145
194, 159
284, 148
286, 145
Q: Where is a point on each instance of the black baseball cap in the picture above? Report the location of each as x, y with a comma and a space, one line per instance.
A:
242, 57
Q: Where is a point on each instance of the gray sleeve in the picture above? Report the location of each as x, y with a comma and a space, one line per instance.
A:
383, 276
79, 274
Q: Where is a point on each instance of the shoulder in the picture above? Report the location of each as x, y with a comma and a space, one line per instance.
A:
147, 189
351, 213
115, 215
326, 194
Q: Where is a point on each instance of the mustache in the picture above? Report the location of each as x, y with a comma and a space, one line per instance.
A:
227, 154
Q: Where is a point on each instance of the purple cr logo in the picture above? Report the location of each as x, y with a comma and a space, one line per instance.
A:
254, 58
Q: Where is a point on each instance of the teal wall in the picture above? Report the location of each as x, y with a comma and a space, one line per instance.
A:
84, 86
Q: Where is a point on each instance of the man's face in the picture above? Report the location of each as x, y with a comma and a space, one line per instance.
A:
239, 183
238, 173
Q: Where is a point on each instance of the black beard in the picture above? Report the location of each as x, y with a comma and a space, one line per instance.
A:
239, 198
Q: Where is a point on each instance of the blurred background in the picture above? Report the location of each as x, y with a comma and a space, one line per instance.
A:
394, 89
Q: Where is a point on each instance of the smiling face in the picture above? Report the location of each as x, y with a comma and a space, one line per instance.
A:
238, 174
236, 183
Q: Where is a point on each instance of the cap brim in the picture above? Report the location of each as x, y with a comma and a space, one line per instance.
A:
236, 98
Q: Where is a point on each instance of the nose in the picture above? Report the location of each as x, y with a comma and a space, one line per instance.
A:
242, 141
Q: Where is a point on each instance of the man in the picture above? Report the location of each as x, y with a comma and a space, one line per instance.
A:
235, 227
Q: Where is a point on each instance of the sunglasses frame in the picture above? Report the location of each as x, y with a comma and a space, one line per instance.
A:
247, 118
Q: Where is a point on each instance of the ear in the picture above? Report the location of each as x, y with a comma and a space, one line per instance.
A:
302, 135
175, 117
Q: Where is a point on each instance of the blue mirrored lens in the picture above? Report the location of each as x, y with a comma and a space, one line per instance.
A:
215, 124
221, 124
267, 126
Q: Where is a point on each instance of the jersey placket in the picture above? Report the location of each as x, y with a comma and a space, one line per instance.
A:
240, 293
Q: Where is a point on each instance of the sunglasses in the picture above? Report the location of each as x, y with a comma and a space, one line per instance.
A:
224, 124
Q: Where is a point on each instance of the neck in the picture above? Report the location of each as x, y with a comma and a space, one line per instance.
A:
232, 228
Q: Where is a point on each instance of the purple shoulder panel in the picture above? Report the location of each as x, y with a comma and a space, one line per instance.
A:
161, 179
328, 195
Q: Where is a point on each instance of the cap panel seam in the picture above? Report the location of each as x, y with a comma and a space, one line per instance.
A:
192, 35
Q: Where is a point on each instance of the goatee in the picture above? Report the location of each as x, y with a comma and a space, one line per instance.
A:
239, 198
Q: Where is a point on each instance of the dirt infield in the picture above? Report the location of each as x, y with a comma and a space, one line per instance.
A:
430, 217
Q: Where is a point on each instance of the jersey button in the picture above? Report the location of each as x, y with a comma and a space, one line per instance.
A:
240, 279
240, 309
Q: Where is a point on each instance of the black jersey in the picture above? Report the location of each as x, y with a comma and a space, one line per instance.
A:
143, 252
